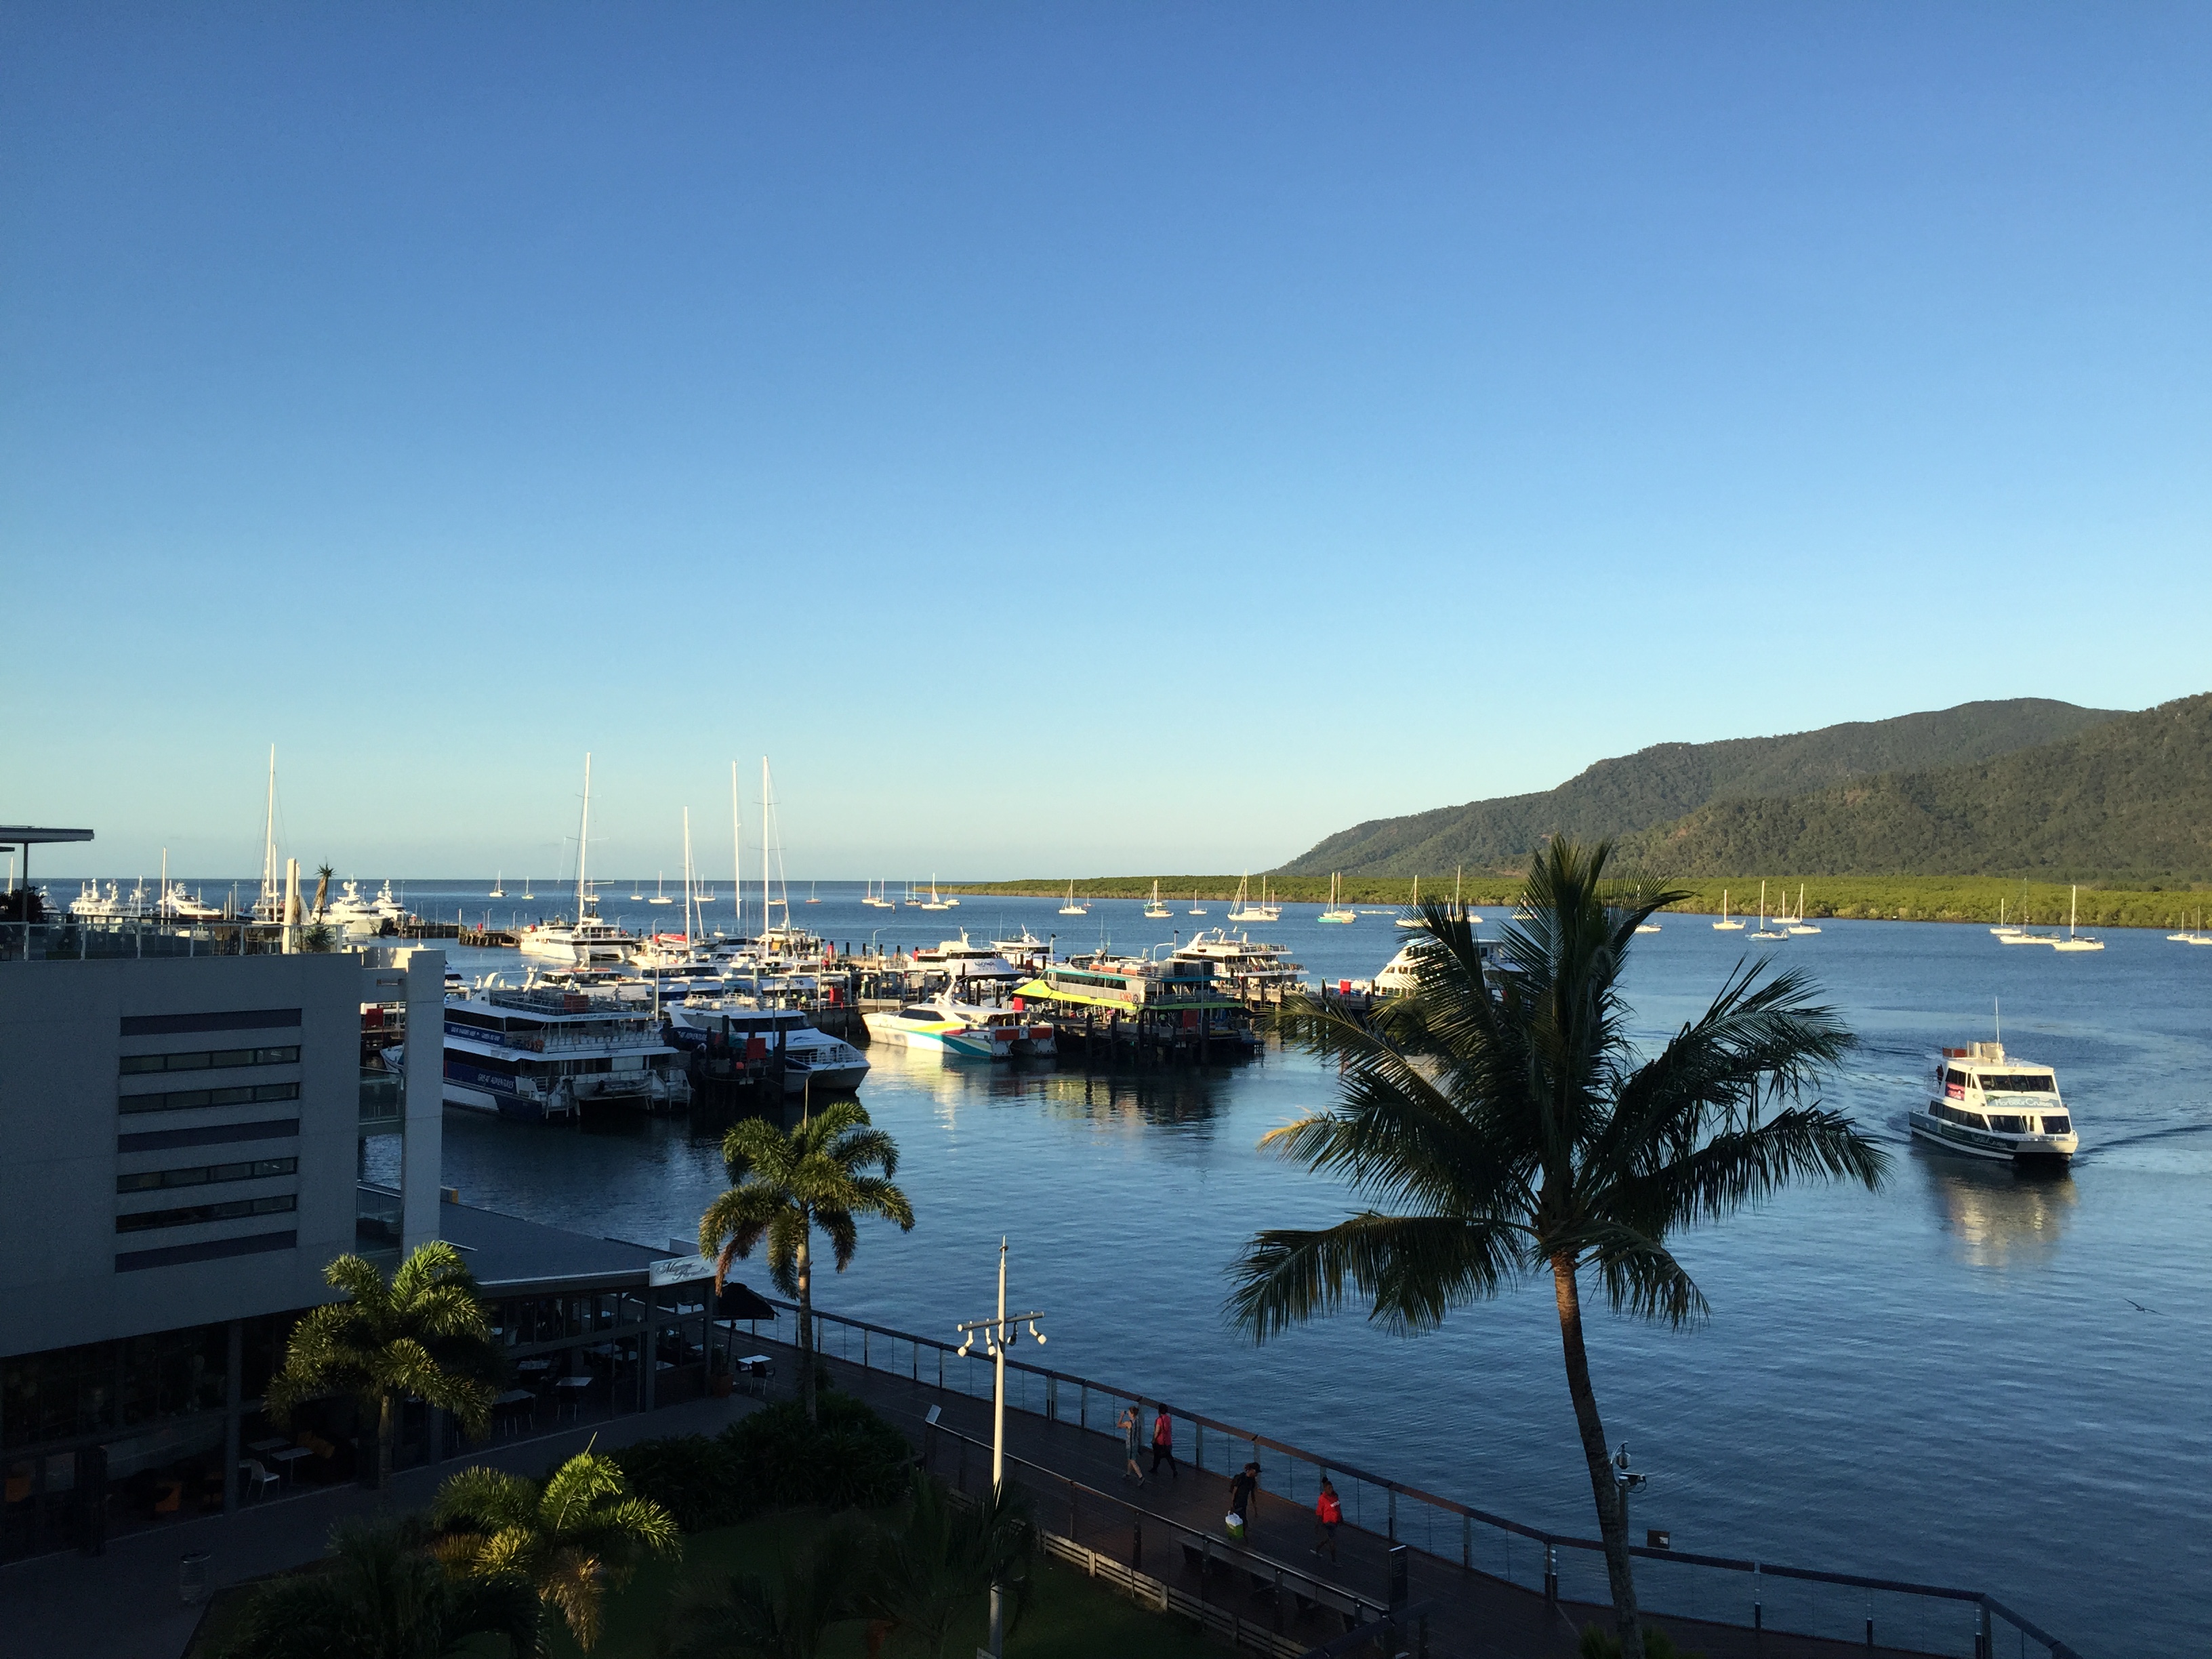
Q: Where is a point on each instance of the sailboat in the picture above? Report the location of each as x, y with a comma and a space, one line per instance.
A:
497, 891
814, 892
1337, 911
526, 893
1797, 923
1071, 908
1765, 931
1724, 925
1196, 908
934, 902
1241, 909
1270, 909
1157, 909
874, 899
2004, 929
2074, 941
660, 892
1412, 918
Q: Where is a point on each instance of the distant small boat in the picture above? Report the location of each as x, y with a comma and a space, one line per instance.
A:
1411, 917
1196, 908
812, 892
1336, 911
874, 898
1157, 909
660, 892
934, 902
1724, 925
2006, 929
1765, 931
1647, 926
497, 891
1797, 923
2074, 941
1071, 908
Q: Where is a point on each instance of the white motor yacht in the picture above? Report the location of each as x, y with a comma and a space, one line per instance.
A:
1989, 1105
812, 1059
963, 963
547, 1052
969, 1031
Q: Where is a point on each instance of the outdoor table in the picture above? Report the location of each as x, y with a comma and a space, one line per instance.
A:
272, 1445
287, 1458
574, 1388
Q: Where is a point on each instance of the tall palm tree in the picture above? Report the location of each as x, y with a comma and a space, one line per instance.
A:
381, 1597
1505, 1126
423, 1333
570, 1537
827, 1172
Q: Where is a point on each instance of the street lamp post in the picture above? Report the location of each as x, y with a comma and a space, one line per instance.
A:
1000, 1332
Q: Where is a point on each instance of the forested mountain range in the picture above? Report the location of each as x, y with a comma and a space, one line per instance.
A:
2025, 788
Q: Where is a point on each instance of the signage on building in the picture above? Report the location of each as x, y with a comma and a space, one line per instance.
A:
676, 1270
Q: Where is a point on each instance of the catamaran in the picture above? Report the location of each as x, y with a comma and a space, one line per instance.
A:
1991, 1106
965, 1029
1071, 908
1337, 911
1156, 909
2074, 941
1724, 925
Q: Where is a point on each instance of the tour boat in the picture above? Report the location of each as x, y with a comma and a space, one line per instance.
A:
1156, 909
1241, 965
1400, 975
959, 960
1724, 925
1990, 1106
1336, 911
349, 914
547, 1052
92, 905
811, 1059
1071, 908
1024, 943
2074, 941
967, 1030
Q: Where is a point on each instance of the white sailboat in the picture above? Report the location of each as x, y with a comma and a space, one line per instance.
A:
1797, 924
659, 889
1411, 917
270, 905
1724, 925
1765, 931
2074, 941
1071, 908
1337, 911
814, 893
1196, 908
498, 890
1156, 909
874, 899
934, 902
588, 939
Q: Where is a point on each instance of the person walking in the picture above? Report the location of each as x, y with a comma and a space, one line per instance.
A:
1132, 1425
1329, 1515
1163, 1444
1243, 1493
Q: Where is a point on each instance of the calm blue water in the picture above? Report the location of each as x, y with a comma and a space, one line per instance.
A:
1946, 1381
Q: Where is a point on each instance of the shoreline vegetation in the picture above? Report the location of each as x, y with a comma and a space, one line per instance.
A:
1874, 898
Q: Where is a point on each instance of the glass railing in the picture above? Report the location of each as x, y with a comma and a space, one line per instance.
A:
383, 1099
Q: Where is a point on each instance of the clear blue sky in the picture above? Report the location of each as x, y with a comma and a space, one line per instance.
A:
1066, 439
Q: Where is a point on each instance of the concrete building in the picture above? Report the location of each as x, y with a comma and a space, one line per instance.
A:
181, 1142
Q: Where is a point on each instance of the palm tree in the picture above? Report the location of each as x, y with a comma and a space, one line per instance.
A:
784, 1185
1507, 1127
941, 1561
570, 1537
424, 1334
381, 1598
750, 1617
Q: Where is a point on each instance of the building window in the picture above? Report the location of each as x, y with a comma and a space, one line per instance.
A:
208, 1060
193, 1214
184, 1100
153, 1180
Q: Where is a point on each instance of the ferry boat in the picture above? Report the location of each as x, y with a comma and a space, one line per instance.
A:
547, 1053
1241, 965
1991, 1106
962, 961
969, 1031
1398, 976
811, 1059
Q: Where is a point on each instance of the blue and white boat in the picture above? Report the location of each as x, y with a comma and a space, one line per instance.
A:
547, 1053
1987, 1105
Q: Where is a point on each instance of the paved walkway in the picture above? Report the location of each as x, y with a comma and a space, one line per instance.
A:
123, 1604
1158, 1528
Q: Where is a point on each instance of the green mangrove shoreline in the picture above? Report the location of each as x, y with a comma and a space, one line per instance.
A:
1886, 898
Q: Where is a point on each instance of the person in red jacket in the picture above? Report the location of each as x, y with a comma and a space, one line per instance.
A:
1328, 1514
1163, 1444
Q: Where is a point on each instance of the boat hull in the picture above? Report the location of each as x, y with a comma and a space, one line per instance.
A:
1991, 1145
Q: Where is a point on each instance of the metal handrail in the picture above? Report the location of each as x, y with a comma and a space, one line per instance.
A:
1990, 1605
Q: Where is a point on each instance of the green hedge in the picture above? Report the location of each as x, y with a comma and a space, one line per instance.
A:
774, 1459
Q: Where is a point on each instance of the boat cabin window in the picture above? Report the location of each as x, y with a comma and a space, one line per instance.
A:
2017, 1083
1957, 1078
1957, 1114
2011, 1123
921, 1014
2057, 1123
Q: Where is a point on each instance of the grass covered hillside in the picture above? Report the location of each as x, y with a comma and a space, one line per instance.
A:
2127, 801
1658, 785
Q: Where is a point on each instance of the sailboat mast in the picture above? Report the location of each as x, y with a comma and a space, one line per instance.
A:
690, 905
766, 812
584, 836
269, 842
737, 857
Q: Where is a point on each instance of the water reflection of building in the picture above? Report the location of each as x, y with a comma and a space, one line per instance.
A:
1995, 1213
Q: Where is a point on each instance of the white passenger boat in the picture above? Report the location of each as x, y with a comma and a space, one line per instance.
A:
812, 1059
1399, 974
92, 905
545, 1052
1023, 945
969, 1031
1241, 965
1989, 1106
349, 914
178, 905
962, 962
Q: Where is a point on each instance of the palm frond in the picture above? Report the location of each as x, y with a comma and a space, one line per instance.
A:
1413, 1269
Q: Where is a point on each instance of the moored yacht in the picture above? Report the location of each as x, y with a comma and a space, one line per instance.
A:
588, 939
1991, 1106
962, 962
1241, 965
545, 1053
969, 1031
812, 1059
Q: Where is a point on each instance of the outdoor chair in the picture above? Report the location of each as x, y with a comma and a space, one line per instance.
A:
257, 1476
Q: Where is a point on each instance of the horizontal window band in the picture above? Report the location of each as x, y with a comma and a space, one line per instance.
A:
206, 1175
193, 1215
214, 1135
243, 1019
213, 1249
187, 1100
207, 1060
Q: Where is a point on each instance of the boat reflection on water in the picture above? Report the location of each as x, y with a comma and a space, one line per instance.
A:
1180, 1097
1997, 1215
